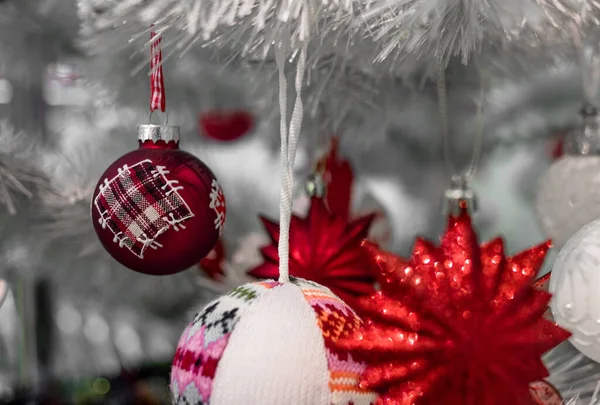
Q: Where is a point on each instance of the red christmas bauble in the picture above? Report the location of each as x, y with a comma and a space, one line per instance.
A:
158, 210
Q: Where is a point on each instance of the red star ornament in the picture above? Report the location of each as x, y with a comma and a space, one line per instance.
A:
212, 264
338, 178
324, 248
457, 324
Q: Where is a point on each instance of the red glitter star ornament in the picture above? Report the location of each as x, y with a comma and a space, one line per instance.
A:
324, 248
457, 324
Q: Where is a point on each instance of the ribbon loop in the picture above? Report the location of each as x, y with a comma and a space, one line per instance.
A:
157, 83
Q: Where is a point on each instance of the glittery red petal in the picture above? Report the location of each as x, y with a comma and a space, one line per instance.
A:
492, 261
270, 252
421, 390
394, 373
528, 308
392, 269
265, 270
462, 259
428, 277
520, 273
271, 227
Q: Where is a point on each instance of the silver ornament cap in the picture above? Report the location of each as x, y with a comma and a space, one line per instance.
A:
459, 197
314, 186
155, 133
585, 138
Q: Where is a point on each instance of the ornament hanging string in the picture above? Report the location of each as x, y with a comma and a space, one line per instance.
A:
157, 83
289, 145
442, 93
589, 58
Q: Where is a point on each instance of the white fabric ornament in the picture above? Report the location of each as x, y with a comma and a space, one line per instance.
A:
269, 343
569, 196
574, 285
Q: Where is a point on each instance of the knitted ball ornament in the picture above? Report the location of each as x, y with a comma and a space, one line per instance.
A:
269, 343
272, 342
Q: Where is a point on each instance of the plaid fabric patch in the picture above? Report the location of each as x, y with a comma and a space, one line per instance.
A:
139, 204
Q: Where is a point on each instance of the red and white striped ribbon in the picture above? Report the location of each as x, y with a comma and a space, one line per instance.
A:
157, 82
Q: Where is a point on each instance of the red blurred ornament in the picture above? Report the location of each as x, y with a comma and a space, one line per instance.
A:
226, 125
158, 210
457, 324
212, 264
557, 148
324, 248
544, 393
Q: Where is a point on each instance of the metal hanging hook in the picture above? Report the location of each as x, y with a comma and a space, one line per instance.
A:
459, 197
158, 117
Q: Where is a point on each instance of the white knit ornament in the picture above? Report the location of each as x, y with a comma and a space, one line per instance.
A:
269, 343
569, 196
272, 342
574, 284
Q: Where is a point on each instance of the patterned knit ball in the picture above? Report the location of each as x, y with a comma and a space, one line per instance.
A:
268, 343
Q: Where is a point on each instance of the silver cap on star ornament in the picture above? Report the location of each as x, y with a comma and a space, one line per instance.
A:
584, 139
459, 197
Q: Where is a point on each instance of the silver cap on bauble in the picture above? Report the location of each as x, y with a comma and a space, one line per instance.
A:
155, 133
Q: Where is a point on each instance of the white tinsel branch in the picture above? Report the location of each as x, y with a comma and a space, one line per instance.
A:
67, 216
249, 27
439, 29
595, 400
396, 30
73, 171
18, 176
574, 375
335, 91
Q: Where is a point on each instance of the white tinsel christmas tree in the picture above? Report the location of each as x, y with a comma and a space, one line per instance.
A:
74, 86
